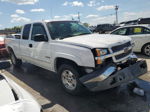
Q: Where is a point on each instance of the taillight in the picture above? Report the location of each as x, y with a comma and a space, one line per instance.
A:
2, 45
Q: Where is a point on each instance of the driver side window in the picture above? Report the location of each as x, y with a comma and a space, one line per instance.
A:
38, 28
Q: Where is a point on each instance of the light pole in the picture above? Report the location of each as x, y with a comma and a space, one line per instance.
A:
116, 9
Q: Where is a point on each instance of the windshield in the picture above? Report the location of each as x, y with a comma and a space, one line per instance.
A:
65, 29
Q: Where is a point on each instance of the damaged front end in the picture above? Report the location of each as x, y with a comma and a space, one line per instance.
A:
113, 75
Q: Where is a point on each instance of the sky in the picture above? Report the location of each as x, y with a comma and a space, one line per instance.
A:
20, 12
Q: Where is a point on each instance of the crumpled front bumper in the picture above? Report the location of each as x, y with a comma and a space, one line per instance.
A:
110, 77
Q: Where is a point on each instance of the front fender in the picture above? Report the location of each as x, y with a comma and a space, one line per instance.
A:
80, 55
73, 58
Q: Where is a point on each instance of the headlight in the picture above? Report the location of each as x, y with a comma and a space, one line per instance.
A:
101, 52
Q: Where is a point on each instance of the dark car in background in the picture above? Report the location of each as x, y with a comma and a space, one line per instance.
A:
136, 22
105, 28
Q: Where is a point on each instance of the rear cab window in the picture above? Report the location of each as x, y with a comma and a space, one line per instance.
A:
26, 32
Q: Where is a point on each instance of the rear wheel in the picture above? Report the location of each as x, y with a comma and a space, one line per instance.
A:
69, 76
16, 62
146, 49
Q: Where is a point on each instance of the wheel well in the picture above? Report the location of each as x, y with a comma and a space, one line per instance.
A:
60, 61
143, 46
10, 50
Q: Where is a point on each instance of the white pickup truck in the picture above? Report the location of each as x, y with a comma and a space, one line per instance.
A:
80, 58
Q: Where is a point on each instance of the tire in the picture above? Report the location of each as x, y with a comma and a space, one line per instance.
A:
146, 49
69, 77
16, 62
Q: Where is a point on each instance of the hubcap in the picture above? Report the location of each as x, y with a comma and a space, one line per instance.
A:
147, 50
68, 79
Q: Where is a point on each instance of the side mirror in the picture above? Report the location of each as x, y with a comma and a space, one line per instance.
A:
40, 37
5, 64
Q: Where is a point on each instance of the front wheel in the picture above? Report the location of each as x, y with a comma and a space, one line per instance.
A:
69, 77
146, 49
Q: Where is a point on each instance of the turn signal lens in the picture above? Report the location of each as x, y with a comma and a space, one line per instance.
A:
98, 61
98, 52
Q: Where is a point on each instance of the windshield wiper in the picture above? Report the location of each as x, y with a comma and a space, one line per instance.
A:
66, 36
84, 33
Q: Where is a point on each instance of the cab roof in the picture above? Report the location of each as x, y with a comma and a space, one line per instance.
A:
47, 21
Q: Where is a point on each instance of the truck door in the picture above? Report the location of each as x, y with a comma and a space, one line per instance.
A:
40, 46
24, 43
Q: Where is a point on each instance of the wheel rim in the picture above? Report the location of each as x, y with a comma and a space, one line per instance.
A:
68, 79
147, 50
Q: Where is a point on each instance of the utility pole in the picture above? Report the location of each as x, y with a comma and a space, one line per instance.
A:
116, 9
79, 16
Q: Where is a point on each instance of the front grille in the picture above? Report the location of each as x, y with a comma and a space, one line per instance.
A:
123, 55
120, 47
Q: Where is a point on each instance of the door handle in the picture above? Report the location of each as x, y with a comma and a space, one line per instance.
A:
30, 45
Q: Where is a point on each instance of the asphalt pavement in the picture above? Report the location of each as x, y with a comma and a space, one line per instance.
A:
45, 87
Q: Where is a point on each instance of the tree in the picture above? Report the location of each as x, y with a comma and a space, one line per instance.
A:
16, 29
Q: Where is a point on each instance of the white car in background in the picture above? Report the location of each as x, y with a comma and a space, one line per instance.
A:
140, 34
15, 36
13, 98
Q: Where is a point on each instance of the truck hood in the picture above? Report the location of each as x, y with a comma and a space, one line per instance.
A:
97, 40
